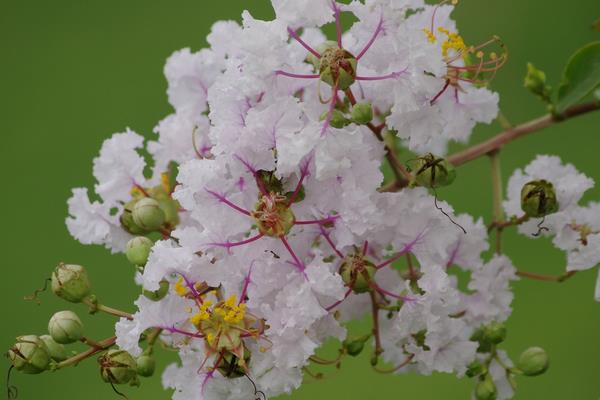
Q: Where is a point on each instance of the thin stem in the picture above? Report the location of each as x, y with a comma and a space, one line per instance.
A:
102, 345
229, 245
497, 196
338, 24
402, 176
392, 370
372, 40
297, 261
337, 303
94, 307
375, 313
294, 34
299, 76
519, 131
328, 239
546, 278
224, 200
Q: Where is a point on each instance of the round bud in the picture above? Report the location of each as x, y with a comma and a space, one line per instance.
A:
147, 214
146, 365
538, 199
230, 365
337, 67
338, 119
354, 346
533, 361
158, 294
432, 171
126, 219
138, 250
362, 113
65, 327
171, 209
71, 282
495, 332
486, 390
56, 350
29, 355
535, 82
357, 273
117, 367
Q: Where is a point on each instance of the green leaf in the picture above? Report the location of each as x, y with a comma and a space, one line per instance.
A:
581, 76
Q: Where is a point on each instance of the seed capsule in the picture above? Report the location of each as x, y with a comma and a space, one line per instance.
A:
357, 273
538, 199
70, 282
65, 327
147, 214
138, 250
533, 361
117, 367
354, 346
29, 355
337, 67
432, 171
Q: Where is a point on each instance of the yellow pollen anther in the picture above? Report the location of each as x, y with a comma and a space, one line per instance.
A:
430, 36
479, 54
164, 180
180, 289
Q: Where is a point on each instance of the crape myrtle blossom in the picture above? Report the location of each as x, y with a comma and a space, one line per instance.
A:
574, 228
258, 219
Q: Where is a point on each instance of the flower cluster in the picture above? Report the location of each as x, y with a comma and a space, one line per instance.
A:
263, 225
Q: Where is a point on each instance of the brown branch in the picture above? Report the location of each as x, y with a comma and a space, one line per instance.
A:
546, 278
99, 346
400, 173
509, 135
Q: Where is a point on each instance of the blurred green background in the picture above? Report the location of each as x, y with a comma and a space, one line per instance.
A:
73, 72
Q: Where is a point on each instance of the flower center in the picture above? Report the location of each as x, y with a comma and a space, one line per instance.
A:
223, 324
357, 272
337, 67
273, 216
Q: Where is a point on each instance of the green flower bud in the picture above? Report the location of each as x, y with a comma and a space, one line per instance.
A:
475, 369
432, 171
362, 113
535, 82
533, 361
171, 209
338, 119
117, 367
337, 67
71, 282
486, 390
538, 199
146, 364
495, 332
65, 327
29, 355
138, 250
354, 346
357, 273
231, 367
147, 214
127, 221
158, 294
56, 350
